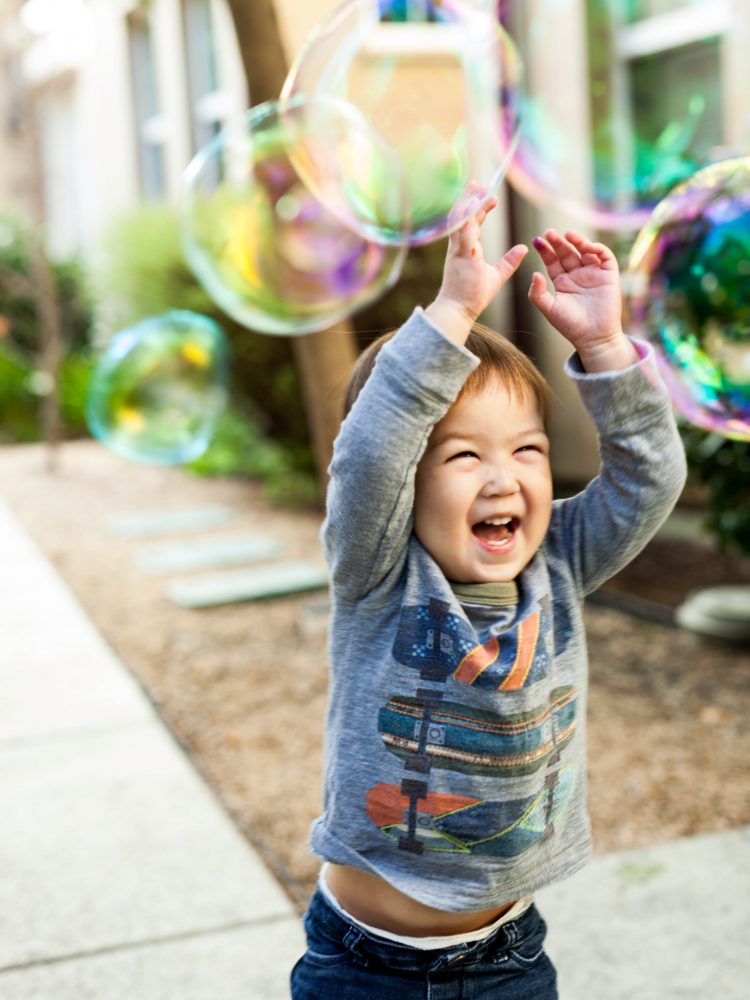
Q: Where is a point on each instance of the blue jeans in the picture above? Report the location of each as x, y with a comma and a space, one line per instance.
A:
344, 962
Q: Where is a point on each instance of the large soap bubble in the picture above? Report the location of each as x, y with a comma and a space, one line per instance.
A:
271, 209
159, 387
439, 79
610, 125
688, 282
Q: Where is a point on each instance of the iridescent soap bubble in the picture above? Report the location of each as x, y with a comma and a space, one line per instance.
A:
688, 282
159, 387
611, 128
278, 214
439, 79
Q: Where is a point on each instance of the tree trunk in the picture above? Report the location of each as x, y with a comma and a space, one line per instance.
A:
324, 359
51, 348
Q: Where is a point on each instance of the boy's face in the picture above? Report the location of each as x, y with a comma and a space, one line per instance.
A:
484, 487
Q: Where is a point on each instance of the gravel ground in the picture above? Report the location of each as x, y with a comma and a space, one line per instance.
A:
243, 687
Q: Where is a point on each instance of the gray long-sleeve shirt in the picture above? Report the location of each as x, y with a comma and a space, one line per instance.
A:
455, 757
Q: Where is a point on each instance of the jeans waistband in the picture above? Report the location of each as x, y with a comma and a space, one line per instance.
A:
322, 918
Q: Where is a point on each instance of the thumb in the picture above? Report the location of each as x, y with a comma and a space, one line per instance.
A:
540, 296
509, 263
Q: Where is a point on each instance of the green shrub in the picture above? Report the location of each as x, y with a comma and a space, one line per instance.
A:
17, 300
238, 448
19, 417
722, 467
145, 273
75, 374
20, 354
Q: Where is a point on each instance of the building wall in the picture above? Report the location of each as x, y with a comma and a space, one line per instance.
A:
81, 80
18, 181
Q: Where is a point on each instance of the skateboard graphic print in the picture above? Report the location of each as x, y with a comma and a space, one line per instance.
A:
462, 825
427, 732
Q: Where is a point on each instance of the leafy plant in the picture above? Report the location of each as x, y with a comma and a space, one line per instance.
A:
144, 274
17, 290
21, 346
238, 448
19, 419
263, 434
722, 467
75, 374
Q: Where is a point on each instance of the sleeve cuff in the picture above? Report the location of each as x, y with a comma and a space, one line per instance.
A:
645, 351
420, 353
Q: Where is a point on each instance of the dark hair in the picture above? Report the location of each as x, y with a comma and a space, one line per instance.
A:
498, 357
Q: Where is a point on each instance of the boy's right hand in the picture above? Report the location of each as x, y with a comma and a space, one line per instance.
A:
470, 282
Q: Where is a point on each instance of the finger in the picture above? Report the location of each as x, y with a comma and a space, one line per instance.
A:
469, 207
486, 208
567, 254
540, 296
468, 202
587, 247
464, 204
463, 241
590, 258
548, 256
511, 261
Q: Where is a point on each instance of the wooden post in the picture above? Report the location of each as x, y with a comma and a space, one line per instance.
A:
324, 359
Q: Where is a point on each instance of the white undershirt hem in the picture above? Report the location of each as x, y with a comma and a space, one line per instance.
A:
425, 943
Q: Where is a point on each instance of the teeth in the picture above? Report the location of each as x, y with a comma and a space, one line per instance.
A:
498, 520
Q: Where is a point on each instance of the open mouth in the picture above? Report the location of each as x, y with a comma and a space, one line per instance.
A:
496, 530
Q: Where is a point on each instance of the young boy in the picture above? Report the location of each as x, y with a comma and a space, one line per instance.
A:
455, 781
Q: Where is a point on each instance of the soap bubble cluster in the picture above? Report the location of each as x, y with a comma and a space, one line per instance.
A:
440, 80
280, 211
688, 282
397, 120
159, 387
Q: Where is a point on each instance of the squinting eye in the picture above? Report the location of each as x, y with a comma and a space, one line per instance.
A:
531, 447
463, 454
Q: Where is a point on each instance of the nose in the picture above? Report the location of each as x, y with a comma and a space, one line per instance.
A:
500, 483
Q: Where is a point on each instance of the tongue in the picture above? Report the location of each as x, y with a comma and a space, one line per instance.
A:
492, 532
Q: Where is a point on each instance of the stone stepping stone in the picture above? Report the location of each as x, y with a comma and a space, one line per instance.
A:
252, 584
207, 553
165, 522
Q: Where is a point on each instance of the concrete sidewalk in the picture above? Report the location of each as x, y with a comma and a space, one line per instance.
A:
122, 878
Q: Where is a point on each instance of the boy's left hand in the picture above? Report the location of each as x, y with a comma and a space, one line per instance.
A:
586, 304
470, 282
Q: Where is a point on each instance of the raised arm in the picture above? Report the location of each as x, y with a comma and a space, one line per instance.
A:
643, 462
642, 473
416, 377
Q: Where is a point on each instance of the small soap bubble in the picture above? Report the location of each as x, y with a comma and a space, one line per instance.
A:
440, 81
159, 387
688, 292
606, 133
280, 213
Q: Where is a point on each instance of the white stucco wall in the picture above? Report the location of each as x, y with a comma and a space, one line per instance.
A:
84, 81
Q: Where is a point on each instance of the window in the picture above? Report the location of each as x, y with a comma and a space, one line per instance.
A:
150, 131
676, 105
58, 144
638, 10
656, 94
202, 77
